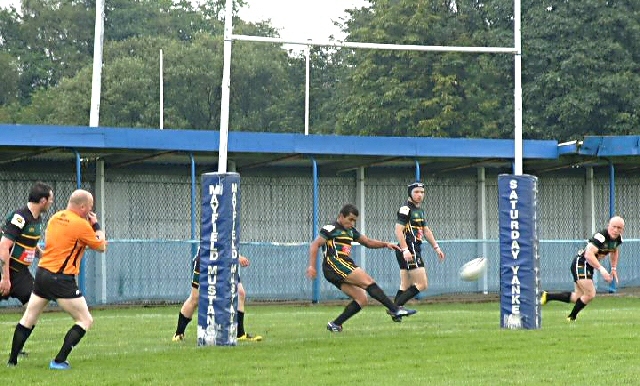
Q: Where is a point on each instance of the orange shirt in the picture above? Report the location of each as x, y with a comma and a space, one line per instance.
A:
66, 238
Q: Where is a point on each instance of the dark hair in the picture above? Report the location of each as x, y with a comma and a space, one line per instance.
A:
38, 191
349, 209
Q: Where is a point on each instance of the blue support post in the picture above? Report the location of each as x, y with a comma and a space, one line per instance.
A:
82, 284
613, 286
315, 294
194, 246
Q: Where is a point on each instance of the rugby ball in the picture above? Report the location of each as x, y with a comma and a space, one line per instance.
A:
473, 269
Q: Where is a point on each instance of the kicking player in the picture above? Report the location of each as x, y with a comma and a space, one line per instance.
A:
340, 270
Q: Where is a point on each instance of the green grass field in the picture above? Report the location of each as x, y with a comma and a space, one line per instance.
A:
444, 344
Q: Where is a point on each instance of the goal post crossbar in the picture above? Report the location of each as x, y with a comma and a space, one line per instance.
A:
378, 46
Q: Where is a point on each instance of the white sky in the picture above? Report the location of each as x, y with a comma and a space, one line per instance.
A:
301, 19
295, 19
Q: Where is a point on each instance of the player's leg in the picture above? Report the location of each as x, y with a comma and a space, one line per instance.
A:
585, 292
21, 288
241, 298
186, 314
191, 304
578, 271
360, 300
23, 329
419, 282
242, 334
360, 278
405, 280
79, 311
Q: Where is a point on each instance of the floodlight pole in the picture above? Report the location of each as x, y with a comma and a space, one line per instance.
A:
161, 91
307, 54
226, 81
94, 121
96, 80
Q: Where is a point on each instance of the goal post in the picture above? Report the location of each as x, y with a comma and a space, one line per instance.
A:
516, 51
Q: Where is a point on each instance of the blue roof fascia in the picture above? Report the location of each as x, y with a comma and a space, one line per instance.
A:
260, 142
618, 146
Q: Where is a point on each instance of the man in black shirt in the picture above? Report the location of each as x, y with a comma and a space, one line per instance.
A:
602, 244
19, 243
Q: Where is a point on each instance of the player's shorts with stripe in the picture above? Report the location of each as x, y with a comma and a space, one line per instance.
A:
580, 269
335, 269
52, 286
417, 261
21, 283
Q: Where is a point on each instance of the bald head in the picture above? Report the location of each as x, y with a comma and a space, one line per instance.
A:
80, 202
616, 226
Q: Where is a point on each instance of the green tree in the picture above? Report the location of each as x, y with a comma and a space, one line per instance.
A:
410, 93
8, 79
582, 68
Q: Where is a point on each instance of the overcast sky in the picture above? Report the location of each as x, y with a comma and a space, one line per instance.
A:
295, 19
301, 19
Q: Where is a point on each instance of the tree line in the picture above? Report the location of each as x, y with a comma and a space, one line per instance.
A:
580, 69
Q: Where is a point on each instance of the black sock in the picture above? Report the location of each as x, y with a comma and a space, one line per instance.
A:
183, 321
407, 295
577, 308
240, 324
376, 292
350, 310
395, 300
564, 297
72, 338
20, 336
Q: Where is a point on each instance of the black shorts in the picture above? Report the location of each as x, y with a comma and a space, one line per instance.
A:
580, 269
21, 284
335, 270
195, 278
54, 286
417, 261
195, 265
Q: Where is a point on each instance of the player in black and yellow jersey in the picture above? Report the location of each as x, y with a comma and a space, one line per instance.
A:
339, 268
19, 243
411, 230
602, 244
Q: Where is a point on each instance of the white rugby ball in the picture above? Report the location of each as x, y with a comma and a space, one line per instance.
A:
473, 269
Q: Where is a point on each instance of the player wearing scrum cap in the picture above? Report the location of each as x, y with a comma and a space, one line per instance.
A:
602, 244
410, 230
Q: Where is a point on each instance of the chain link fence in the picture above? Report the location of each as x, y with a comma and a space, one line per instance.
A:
148, 219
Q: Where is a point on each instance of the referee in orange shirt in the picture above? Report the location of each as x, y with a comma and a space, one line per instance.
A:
69, 232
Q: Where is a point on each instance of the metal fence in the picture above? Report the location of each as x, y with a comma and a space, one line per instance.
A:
148, 217
136, 271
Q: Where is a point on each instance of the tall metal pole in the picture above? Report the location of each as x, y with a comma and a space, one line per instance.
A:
161, 91
226, 81
517, 138
96, 81
307, 54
